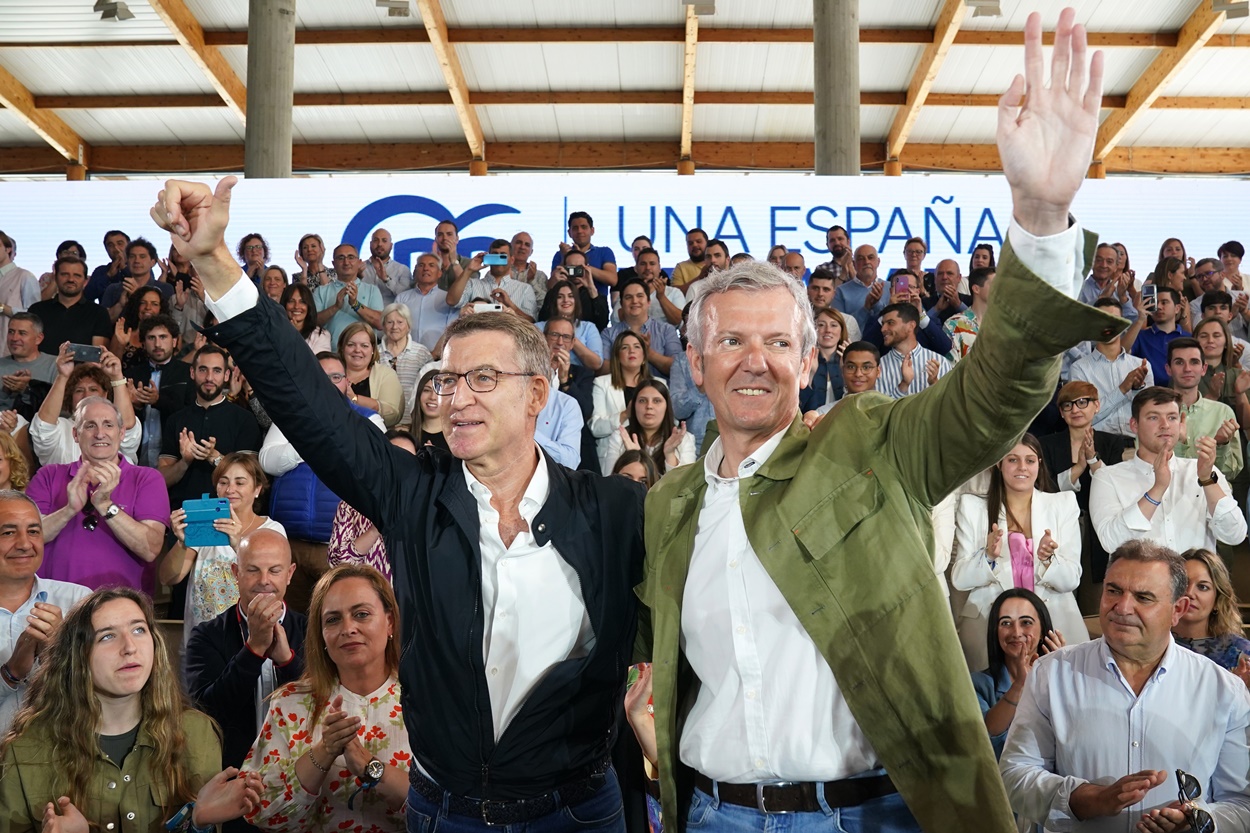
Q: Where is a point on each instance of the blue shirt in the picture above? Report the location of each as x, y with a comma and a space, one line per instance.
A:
1152, 345
849, 299
63, 594
430, 314
326, 296
559, 429
585, 332
596, 256
989, 692
689, 403
113, 293
1090, 292
663, 335
1079, 721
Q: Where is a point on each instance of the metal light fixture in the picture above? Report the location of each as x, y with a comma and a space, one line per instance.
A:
702, 8
985, 8
1232, 8
113, 10
396, 8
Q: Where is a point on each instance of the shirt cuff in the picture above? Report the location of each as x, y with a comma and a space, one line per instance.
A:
239, 299
1058, 259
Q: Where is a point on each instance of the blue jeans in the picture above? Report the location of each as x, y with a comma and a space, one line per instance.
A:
887, 814
603, 812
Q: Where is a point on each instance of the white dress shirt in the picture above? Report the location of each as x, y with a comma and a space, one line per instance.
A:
1079, 722
1107, 376
278, 456
768, 706
64, 595
522, 294
54, 443
1181, 522
532, 602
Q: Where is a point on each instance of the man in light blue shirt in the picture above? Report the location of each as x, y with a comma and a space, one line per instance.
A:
1102, 727
30, 607
865, 295
1100, 280
427, 304
559, 428
346, 298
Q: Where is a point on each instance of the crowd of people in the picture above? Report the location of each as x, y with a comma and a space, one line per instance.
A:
840, 505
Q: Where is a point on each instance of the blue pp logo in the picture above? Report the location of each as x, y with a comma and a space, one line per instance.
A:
377, 213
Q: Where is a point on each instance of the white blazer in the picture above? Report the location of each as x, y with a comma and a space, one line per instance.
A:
605, 416
1053, 582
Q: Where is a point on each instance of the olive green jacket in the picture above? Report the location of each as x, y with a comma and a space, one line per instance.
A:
125, 798
839, 517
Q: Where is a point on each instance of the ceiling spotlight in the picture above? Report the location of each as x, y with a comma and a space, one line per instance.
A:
1232, 8
985, 8
113, 10
396, 8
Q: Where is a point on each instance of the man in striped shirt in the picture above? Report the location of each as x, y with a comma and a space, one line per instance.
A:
907, 368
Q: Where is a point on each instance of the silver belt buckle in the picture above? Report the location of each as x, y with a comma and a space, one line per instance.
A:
486, 815
759, 797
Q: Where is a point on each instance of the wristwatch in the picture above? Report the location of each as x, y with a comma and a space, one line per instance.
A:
374, 770
1210, 481
112, 512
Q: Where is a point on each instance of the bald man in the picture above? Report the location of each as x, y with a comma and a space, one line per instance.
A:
390, 276
235, 661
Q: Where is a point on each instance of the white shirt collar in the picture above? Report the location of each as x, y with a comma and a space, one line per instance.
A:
535, 493
716, 455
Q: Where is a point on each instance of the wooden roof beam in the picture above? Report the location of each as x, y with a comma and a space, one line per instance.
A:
1198, 29
931, 59
449, 62
435, 98
170, 159
188, 32
687, 83
51, 128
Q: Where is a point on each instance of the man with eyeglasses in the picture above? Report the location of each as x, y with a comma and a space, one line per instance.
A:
104, 519
514, 575
346, 298
561, 426
575, 380
861, 367
1133, 700
1207, 274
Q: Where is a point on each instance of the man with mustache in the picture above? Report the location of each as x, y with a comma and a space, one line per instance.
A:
1131, 699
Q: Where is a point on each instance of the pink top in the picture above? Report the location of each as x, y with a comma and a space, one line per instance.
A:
1021, 560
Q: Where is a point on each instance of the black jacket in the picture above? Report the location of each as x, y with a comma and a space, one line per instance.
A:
429, 522
176, 390
222, 675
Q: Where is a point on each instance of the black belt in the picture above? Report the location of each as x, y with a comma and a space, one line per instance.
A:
798, 797
511, 810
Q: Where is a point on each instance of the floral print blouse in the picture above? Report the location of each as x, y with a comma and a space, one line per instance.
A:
285, 805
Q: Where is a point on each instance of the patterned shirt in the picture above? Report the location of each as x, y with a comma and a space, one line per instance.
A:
962, 330
285, 806
348, 526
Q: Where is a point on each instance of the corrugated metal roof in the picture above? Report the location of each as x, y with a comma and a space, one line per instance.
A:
171, 126
572, 66
73, 20
101, 70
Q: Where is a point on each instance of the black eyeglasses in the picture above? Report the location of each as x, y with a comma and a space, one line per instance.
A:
1200, 820
90, 520
479, 380
1081, 403
1201, 275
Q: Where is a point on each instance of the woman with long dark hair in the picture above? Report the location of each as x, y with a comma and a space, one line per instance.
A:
564, 301
301, 311
107, 738
1023, 533
652, 429
1019, 630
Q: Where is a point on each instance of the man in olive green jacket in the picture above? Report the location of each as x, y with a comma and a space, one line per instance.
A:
838, 517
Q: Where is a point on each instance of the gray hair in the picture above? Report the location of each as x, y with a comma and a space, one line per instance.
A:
402, 309
752, 276
7, 495
532, 352
80, 411
1140, 549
